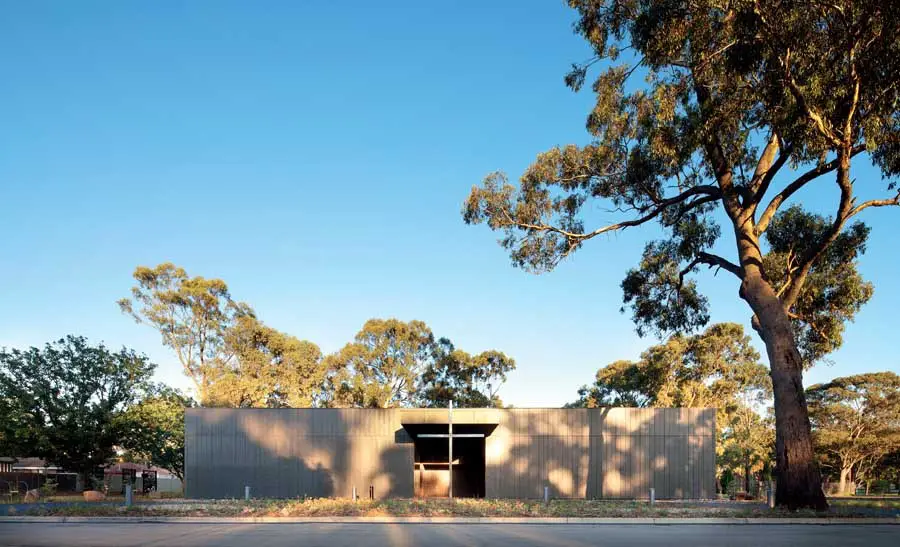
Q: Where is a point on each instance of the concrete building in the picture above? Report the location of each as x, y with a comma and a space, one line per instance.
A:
497, 453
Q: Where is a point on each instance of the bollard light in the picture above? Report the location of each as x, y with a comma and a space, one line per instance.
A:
247, 493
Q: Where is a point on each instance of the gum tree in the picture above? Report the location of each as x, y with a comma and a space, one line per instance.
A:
193, 315
382, 366
470, 381
270, 369
393, 363
742, 105
857, 421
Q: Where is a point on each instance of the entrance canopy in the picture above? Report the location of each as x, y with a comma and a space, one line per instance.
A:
417, 431
461, 416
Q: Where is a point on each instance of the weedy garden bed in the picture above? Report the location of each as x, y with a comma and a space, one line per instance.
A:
480, 508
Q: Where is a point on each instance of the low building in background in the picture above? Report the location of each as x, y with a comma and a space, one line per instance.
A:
19, 475
144, 478
614, 453
24, 474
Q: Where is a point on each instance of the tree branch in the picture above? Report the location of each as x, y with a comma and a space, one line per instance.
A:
765, 163
720, 166
765, 173
718, 261
795, 281
875, 203
797, 184
707, 190
814, 116
713, 261
811, 325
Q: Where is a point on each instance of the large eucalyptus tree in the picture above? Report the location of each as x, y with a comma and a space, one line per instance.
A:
713, 113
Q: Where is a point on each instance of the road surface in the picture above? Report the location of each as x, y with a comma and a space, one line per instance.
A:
437, 535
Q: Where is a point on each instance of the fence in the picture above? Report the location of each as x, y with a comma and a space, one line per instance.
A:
163, 484
22, 482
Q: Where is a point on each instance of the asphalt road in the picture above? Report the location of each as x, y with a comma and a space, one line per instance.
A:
437, 535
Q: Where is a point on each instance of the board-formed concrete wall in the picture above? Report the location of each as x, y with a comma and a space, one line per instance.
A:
578, 453
296, 452
602, 453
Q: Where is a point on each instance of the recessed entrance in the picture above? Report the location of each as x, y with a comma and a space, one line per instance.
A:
432, 466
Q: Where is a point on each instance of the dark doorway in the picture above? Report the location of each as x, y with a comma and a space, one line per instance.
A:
432, 468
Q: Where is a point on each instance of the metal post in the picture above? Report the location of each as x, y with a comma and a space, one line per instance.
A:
652, 496
450, 438
770, 496
546, 494
129, 495
353, 494
247, 493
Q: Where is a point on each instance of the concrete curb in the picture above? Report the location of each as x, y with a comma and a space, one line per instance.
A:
454, 520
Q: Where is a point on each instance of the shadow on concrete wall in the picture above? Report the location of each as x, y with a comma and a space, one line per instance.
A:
602, 453
268, 451
398, 471
289, 453
580, 453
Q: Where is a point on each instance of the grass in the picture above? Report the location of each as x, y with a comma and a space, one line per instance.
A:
862, 502
79, 498
327, 507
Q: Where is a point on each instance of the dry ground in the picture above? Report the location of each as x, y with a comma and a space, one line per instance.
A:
459, 508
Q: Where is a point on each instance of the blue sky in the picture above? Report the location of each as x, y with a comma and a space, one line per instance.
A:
315, 156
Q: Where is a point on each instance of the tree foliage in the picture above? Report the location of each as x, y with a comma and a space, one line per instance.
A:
747, 444
269, 369
381, 367
233, 358
834, 291
856, 421
193, 314
153, 429
392, 363
67, 399
745, 103
470, 381
715, 369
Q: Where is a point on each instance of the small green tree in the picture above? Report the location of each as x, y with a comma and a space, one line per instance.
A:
153, 429
68, 399
192, 314
748, 443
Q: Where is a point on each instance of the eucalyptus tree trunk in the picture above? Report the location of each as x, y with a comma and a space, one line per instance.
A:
844, 485
747, 475
799, 483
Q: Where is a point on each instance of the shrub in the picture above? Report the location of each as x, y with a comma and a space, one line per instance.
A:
48, 488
